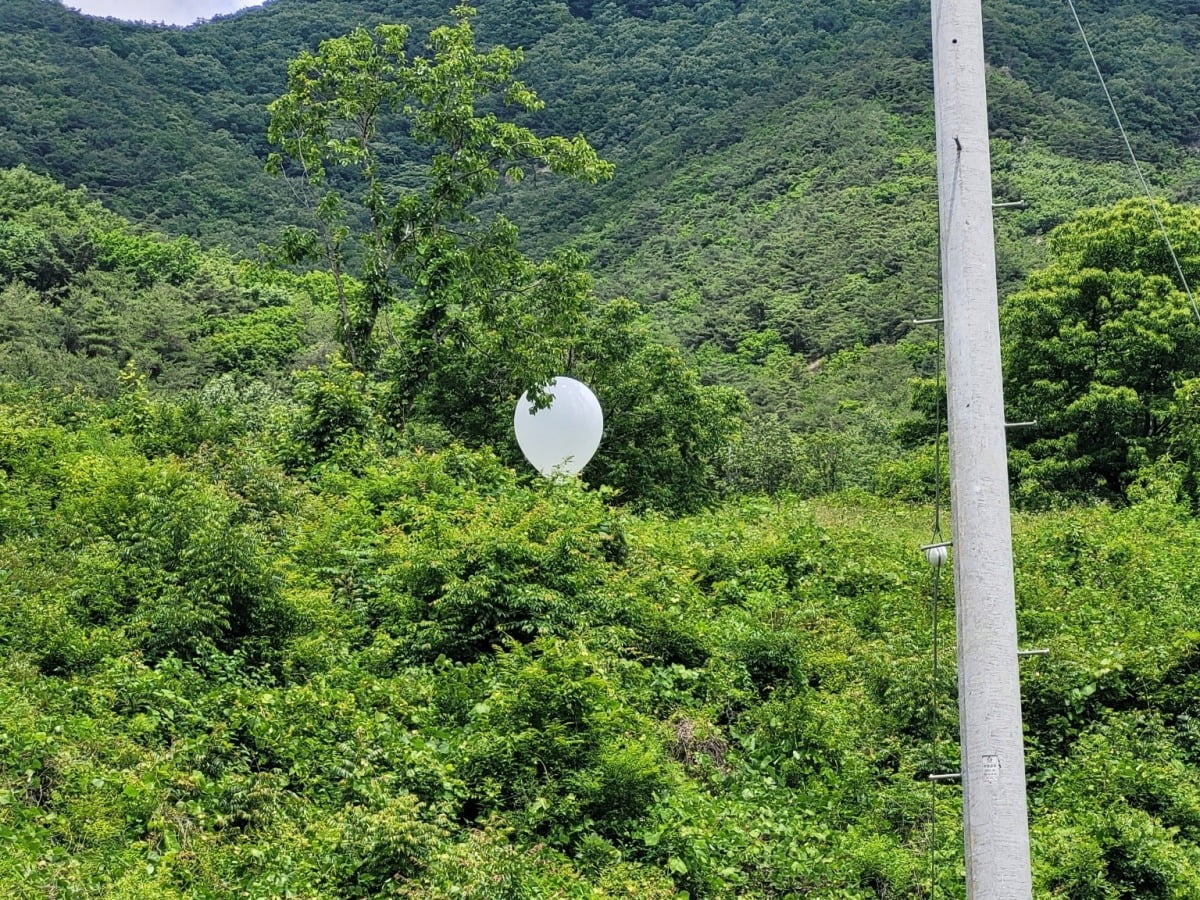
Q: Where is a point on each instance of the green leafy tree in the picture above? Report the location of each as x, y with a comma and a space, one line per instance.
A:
1096, 345
448, 279
446, 315
665, 433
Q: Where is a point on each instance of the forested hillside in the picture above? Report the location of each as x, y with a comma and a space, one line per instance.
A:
283, 611
773, 200
774, 168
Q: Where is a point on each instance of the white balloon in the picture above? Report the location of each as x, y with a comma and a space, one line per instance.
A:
560, 439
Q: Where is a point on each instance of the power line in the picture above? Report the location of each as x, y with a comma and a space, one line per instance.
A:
936, 558
1136, 164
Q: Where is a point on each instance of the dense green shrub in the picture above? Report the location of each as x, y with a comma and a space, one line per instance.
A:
421, 674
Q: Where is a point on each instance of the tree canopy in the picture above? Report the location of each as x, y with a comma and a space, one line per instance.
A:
447, 313
1096, 346
458, 276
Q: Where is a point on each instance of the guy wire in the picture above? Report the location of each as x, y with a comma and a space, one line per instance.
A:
1136, 164
935, 591
937, 438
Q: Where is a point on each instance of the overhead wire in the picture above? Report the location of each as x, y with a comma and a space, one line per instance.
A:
935, 603
1136, 164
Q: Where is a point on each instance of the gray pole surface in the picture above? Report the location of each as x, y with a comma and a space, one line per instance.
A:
995, 817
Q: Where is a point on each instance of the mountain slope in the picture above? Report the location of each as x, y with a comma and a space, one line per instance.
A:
646, 82
775, 175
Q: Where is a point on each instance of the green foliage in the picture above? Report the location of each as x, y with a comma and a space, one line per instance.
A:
416, 675
720, 236
551, 741
148, 262
268, 636
47, 233
664, 431
85, 294
1107, 712
258, 343
507, 565
762, 262
460, 278
1184, 445
157, 564
767, 460
471, 321
1095, 348
334, 411
829, 426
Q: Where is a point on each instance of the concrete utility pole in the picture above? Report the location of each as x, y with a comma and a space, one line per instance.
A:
995, 817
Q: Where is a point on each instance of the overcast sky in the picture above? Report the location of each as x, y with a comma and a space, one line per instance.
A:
173, 12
